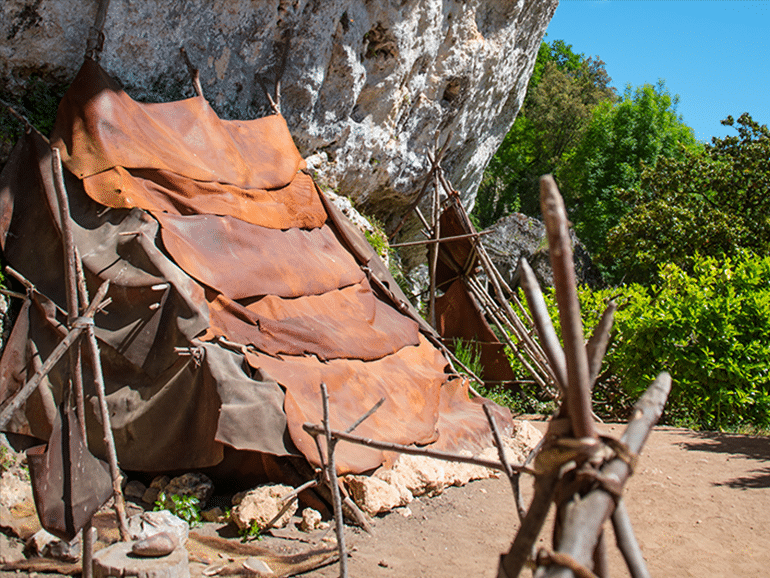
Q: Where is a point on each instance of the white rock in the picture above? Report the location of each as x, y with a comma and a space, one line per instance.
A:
311, 519
262, 504
148, 524
374, 495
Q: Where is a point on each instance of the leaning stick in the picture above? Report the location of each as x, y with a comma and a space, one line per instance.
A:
543, 325
78, 328
96, 33
313, 429
512, 563
331, 468
195, 74
73, 308
560, 250
441, 240
76, 284
626, 541
512, 475
597, 344
109, 440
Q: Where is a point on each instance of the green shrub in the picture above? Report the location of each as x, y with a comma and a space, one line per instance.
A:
709, 329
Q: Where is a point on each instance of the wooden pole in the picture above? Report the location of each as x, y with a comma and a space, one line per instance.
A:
79, 326
313, 429
109, 440
70, 277
434, 250
442, 240
331, 468
560, 251
543, 325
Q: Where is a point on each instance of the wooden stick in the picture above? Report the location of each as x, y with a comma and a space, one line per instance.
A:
434, 251
70, 277
12, 293
413, 206
29, 286
512, 475
96, 32
73, 310
512, 563
79, 326
334, 485
560, 250
441, 240
109, 440
601, 564
626, 541
313, 429
364, 417
584, 517
597, 345
195, 74
28, 126
542, 320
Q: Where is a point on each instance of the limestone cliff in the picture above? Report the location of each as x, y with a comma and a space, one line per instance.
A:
367, 87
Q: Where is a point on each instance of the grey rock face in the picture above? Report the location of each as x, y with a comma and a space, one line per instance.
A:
517, 236
367, 87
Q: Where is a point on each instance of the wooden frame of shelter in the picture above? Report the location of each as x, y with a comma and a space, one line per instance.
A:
461, 268
579, 471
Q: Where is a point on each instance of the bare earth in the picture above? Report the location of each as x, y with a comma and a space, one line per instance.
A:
699, 503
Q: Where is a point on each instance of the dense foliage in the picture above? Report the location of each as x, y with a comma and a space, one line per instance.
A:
562, 92
621, 138
713, 202
709, 328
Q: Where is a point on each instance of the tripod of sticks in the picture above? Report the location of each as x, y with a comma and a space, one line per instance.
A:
579, 471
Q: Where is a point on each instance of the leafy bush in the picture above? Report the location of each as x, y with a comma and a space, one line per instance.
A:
710, 329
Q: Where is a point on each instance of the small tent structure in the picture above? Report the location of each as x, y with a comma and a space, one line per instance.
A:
236, 289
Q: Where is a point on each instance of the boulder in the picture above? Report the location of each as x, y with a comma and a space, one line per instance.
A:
518, 235
366, 87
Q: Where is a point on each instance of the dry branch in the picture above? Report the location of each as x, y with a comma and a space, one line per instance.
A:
560, 251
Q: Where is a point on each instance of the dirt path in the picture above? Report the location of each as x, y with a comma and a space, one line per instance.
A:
699, 502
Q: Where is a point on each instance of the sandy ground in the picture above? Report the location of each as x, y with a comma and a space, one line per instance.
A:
699, 503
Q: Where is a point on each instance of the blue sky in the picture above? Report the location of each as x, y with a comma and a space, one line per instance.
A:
715, 54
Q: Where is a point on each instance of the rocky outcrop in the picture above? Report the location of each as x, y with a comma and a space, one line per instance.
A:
517, 236
366, 87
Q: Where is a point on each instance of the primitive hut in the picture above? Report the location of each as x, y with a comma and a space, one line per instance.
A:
236, 289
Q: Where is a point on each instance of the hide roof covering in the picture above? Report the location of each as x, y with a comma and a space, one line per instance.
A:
214, 241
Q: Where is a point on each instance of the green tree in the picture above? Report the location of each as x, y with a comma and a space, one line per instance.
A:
562, 92
711, 202
622, 137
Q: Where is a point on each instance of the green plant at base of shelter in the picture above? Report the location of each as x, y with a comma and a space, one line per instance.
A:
185, 507
253, 532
